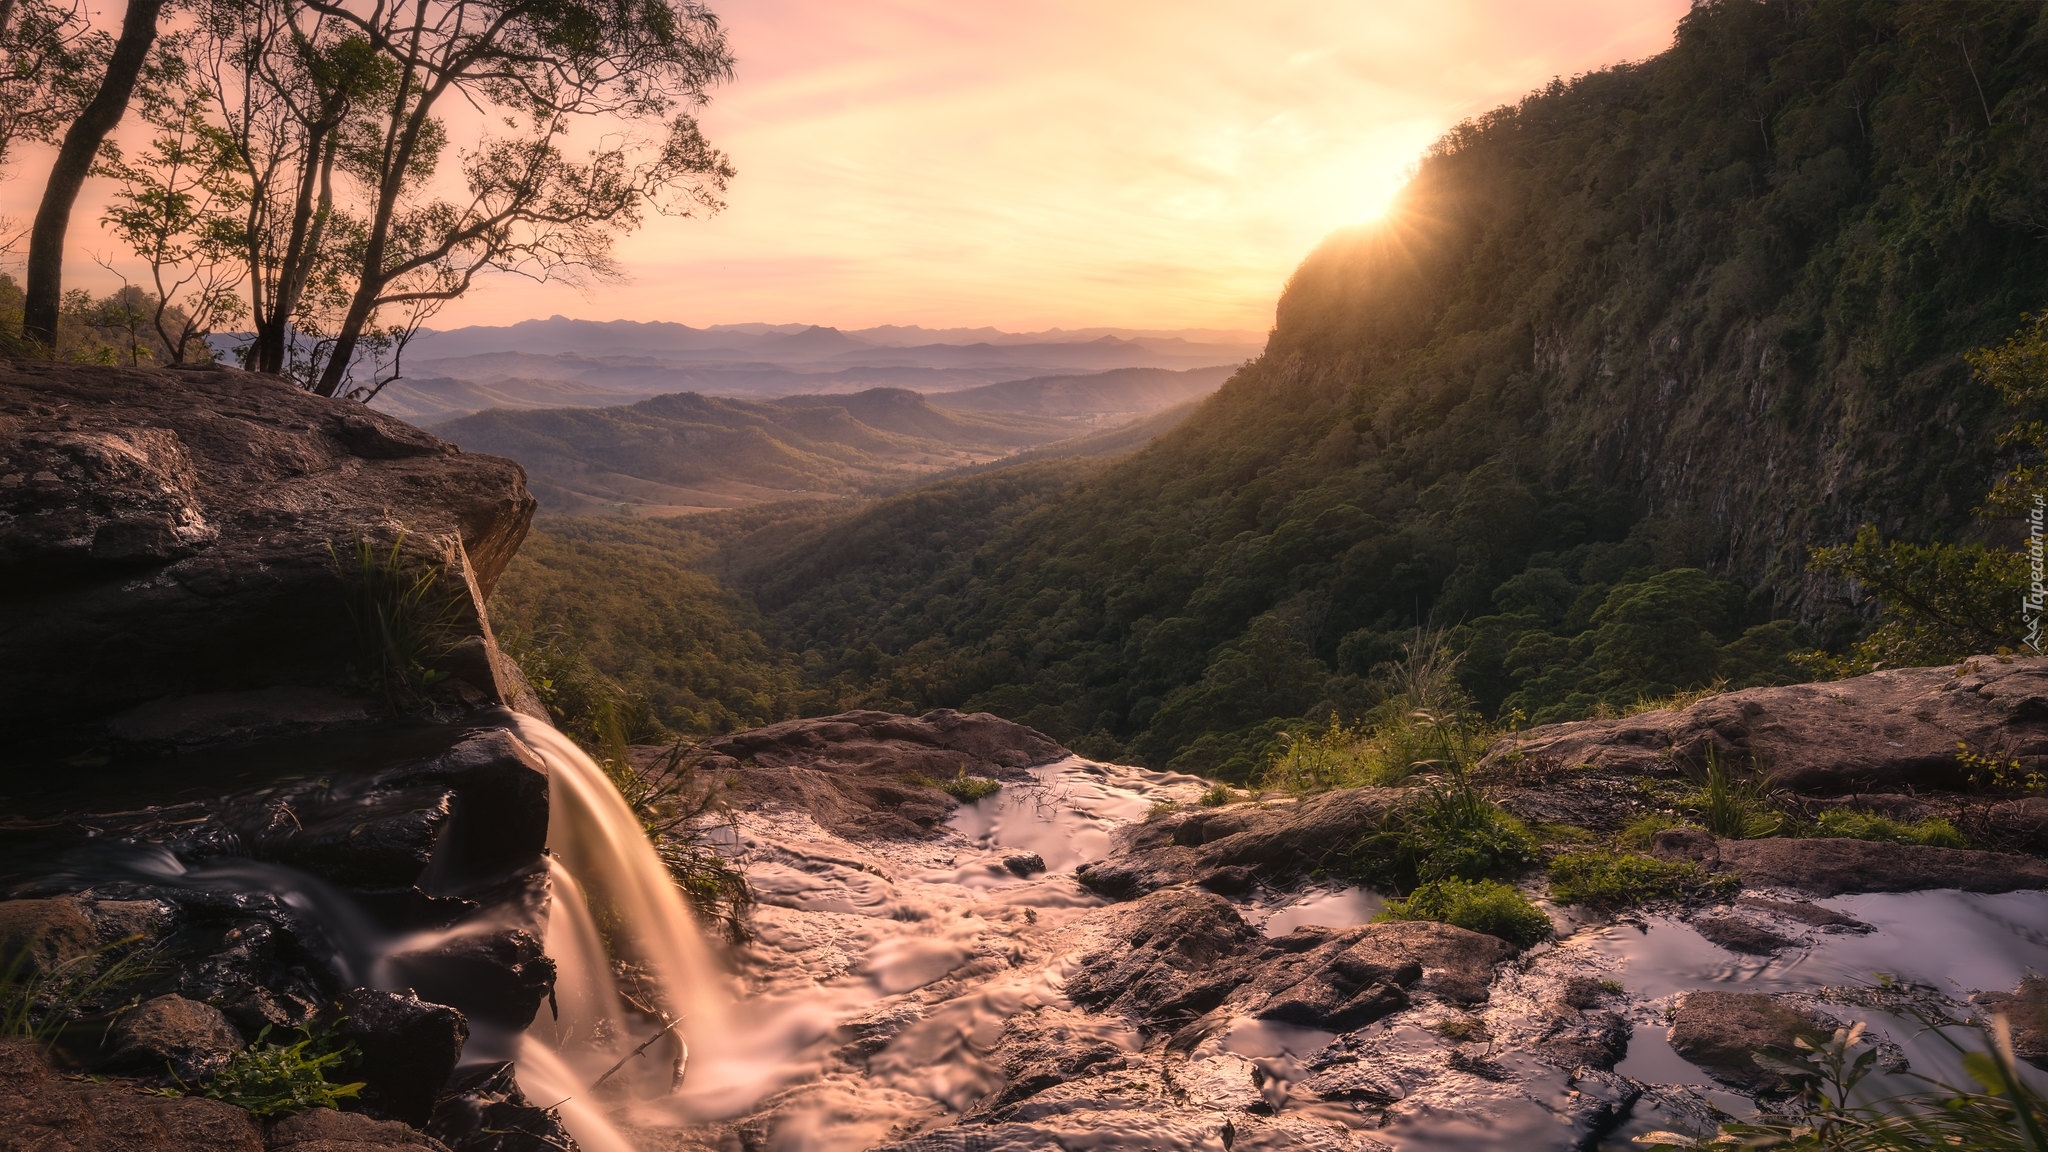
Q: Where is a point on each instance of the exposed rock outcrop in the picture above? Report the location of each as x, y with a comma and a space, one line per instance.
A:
1891, 729
1833, 867
1723, 1031
863, 772
175, 532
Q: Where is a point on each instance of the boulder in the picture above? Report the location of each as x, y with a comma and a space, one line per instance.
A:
325, 1130
1227, 849
1892, 729
2025, 1009
44, 1112
1739, 935
175, 532
39, 935
1832, 867
496, 976
484, 1111
1159, 956
405, 1050
185, 1038
857, 773
1723, 1031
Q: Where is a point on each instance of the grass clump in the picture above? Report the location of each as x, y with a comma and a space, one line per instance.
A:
1735, 807
404, 621
1217, 796
1487, 906
1934, 830
1448, 830
1642, 831
41, 1002
1425, 723
1605, 879
962, 787
270, 1080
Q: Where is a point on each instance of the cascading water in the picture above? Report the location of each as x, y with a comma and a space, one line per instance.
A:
610, 888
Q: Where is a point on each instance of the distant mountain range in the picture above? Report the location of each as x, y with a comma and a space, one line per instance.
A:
682, 453
584, 363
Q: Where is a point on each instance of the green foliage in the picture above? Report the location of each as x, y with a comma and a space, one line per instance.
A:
1735, 807
1478, 905
1423, 723
1605, 879
962, 787
1998, 774
404, 620
1849, 825
270, 1080
1446, 830
2000, 1112
42, 1002
1642, 831
1937, 603
1217, 796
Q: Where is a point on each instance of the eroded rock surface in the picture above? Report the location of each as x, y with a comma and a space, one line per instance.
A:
1831, 867
1723, 1031
176, 532
1890, 729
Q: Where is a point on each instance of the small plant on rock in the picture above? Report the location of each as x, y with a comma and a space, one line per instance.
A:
1476, 905
270, 1080
42, 1000
1603, 879
1734, 807
404, 621
1848, 825
1217, 796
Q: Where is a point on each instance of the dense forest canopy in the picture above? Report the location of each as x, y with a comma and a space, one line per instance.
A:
1618, 357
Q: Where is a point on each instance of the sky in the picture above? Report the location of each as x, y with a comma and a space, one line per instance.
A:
1030, 164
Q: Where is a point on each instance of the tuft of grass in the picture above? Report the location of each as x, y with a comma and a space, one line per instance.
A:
41, 1003
1603, 879
1447, 830
1734, 807
1564, 834
1642, 831
1463, 1029
962, 787
1426, 724
678, 807
1217, 796
1677, 701
403, 621
1477, 905
1934, 830
269, 1080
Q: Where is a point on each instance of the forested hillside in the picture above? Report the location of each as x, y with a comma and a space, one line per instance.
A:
1618, 357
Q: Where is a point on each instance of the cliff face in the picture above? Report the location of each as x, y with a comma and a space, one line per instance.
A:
184, 533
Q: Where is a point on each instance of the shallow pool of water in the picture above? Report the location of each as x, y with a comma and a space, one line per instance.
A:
1326, 908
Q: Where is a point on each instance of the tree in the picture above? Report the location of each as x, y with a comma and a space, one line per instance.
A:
177, 211
49, 55
74, 162
542, 69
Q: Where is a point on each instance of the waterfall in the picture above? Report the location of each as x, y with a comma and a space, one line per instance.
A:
610, 888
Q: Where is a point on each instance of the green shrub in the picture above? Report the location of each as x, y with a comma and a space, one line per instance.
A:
1477, 905
1446, 830
1217, 796
1604, 879
280, 1079
404, 621
1867, 826
962, 787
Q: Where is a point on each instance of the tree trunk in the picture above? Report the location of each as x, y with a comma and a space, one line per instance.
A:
74, 160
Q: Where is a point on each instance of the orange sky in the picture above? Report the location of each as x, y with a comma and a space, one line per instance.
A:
1039, 163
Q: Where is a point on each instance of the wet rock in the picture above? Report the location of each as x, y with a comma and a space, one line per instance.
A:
1024, 864
1832, 867
130, 920
1896, 728
1232, 881
1722, 1032
1739, 935
42, 934
382, 839
248, 977
1355, 1081
1805, 912
497, 977
1277, 843
1597, 1039
405, 1050
500, 818
855, 772
325, 1130
1159, 956
173, 1035
43, 1111
2025, 1008
483, 1110
182, 723
180, 544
